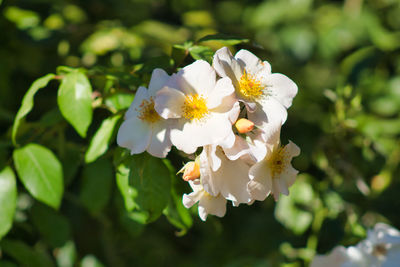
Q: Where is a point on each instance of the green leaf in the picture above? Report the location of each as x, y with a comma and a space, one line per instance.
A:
96, 185
175, 212
27, 102
101, 139
119, 101
128, 192
223, 38
75, 101
52, 226
289, 209
150, 177
8, 200
201, 52
24, 254
41, 173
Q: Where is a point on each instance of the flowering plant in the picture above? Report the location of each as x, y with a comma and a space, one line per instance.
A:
235, 118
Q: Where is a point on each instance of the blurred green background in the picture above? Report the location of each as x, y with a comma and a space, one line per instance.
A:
344, 56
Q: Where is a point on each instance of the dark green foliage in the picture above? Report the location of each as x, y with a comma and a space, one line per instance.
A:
79, 200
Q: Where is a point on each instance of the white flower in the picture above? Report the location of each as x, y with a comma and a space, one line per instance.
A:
143, 129
219, 175
266, 95
381, 248
274, 173
250, 148
201, 105
208, 204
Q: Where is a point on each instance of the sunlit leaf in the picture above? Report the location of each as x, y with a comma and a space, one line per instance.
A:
288, 210
223, 38
175, 212
201, 52
101, 139
8, 200
75, 100
41, 173
27, 102
150, 177
119, 101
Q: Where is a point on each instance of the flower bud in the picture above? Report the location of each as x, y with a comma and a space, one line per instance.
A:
191, 171
244, 125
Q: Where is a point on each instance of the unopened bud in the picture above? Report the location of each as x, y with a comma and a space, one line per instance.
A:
191, 171
244, 125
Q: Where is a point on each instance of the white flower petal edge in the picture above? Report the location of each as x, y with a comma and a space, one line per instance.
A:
208, 204
380, 248
202, 106
230, 180
143, 129
134, 135
274, 174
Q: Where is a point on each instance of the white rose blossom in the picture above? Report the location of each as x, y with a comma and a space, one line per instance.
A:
219, 175
266, 95
201, 105
381, 248
143, 129
274, 173
194, 108
208, 204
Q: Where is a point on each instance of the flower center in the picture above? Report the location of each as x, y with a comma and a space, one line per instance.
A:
147, 112
277, 161
250, 87
194, 107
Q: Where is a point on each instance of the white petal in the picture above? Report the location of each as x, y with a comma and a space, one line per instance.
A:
168, 103
239, 148
188, 136
198, 76
283, 188
275, 188
134, 134
229, 141
251, 62
211, 205
158, 80
133, 111
292, 149
226, 65
234, 112
160, 143
208, 161
336, 258
289, 175
282, 88
222, 89
270, 117
191, 199
261, 182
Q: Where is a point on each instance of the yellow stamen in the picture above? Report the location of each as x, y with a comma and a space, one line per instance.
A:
194, 107
147, 112
250, 87
277, 161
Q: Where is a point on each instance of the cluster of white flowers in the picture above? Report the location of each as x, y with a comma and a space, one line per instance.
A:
234, 110
381, 248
